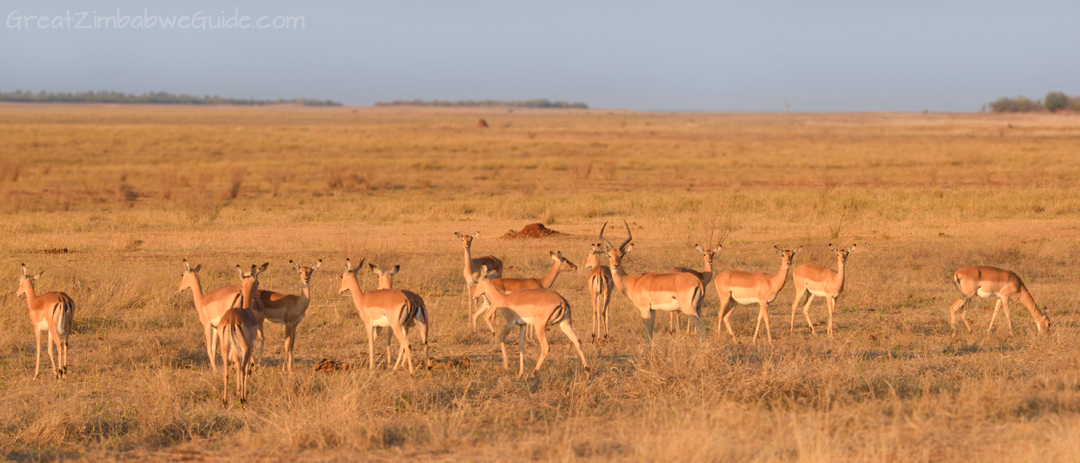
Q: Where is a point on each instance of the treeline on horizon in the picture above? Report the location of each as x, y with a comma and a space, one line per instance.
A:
19, 96
1054, 101
537, 103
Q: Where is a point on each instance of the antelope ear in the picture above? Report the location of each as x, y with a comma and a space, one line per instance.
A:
35, 277
553, 255
483, 270
24, 269
699, 248
559, 255
361, 264
373, 267
628, 248
458, 235
348, 264
196, 268
832, 248
395, 270
476, 234
796, 250
293, 264
777, 248
262, 268
240, 270
186, 266
317, 264
852, 248
717, 248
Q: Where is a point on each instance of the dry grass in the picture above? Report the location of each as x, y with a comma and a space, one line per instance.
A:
133, 191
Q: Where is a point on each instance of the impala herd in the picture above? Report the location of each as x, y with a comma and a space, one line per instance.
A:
232, 316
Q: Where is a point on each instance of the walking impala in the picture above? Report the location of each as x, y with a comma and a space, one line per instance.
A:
471, 270
600, 284
752, 288
237, 331
989, 282
509, 285
812, 280
419, 315
50, 312
537, 308
705, 275
210, 306
656, 291
380, 308
288, 309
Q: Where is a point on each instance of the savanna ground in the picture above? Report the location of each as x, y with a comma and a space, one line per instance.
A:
108, 201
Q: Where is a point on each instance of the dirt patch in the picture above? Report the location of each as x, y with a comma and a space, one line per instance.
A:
532, 230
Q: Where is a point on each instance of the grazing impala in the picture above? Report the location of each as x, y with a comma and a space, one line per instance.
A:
387, 308
211, 306
419, 315
288, 309
471, 270
752, 288
812, 280
705, 275
989, 282
237, 331
656, 291
509, 285
537, 308
600, 284
50, 312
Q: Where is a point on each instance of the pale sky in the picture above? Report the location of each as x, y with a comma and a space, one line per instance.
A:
703, 56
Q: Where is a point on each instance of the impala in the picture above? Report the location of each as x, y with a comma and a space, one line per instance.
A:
288, 309
509, 285
471, 270
51, 312
989, 282
537, 308
380, 308
656, 291
812, 280
210, 306
419, 315
237, 331
752, 288
705, 275
600, 284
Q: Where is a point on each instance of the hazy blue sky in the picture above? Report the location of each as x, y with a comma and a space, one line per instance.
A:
716, 56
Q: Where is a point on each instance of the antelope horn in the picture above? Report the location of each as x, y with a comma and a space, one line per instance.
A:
609, 245
629, 236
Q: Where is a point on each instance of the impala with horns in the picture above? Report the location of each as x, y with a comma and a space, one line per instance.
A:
656, 291
735, 287
989, 282
419, 316
705, 275
288, 309
509, 285
50, 312
237, 331
813, 280
537, 308
600, 284
471, 270
381, 308
210, 306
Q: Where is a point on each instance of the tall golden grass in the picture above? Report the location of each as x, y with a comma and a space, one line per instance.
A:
109, 200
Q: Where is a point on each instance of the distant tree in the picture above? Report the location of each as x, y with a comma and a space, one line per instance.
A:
1015, 105
1055, 101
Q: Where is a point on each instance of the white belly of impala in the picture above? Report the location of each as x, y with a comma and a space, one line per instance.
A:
818, 293
745, 300
43, 325
982, 293
667, 306
381, 321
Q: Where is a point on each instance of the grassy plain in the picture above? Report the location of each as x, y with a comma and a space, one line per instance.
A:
108, 200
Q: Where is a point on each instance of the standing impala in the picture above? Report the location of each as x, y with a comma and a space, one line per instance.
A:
600, 284
211, 306
471, 270
509, 285
989, 282
812, 280
419, 308
288, 309
51, 312
656, 291
752, 288
705, 275
237, 331
537, 308
382, 308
